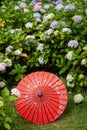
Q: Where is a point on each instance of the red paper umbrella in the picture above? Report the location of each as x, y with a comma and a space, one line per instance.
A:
43, 97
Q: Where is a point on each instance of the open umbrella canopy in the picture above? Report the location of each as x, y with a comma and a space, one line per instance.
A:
43, 97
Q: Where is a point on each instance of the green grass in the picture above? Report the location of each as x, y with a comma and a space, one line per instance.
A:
73, 118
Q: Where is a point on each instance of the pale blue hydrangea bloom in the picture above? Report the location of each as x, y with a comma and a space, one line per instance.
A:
38, 20
9, 48
27, 43
41, 60
63, 23
73, 43
59, 1
54, 24
69, 7
40, 47
37, 15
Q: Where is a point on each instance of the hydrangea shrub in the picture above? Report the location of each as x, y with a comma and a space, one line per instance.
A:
36, 34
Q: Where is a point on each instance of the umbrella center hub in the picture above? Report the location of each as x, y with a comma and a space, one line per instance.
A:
40, 94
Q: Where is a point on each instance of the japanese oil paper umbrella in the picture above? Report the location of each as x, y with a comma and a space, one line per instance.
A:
43, 97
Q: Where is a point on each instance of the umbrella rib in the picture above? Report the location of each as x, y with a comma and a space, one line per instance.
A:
34, 79
53, 108
47, 78
46, 112
23, 101
30, 111
23, 105
50, 112
28, 82
31, 81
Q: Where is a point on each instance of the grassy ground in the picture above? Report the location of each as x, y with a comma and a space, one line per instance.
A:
73, 118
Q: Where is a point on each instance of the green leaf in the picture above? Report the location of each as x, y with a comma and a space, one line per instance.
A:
7, 126
63, 70
8, 119
5, 92
12, 98
2, 112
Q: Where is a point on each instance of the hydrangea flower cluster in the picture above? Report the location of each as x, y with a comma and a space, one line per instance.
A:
70, 80
39, 34
78, 98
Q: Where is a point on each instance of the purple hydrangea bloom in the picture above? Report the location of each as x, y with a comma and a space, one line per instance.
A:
73, 43
23, 5
69, 7
54, 24
77, 18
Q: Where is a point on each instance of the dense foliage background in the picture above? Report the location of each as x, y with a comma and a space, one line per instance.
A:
43, 36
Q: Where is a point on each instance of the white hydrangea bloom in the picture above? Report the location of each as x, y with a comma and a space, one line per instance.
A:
17, 52
69, 78
84, 61
78, 98
69, 55
32, 37
85, 48
51, 15
86, 11
26, 10
15, 92
28, 25
56, 32
66, 30
42, 10
2, 84
8, 62
49, 32
40, 47
1, 103
12, 31
16, 8
2, 66
59, 7
71, 85
46, 6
